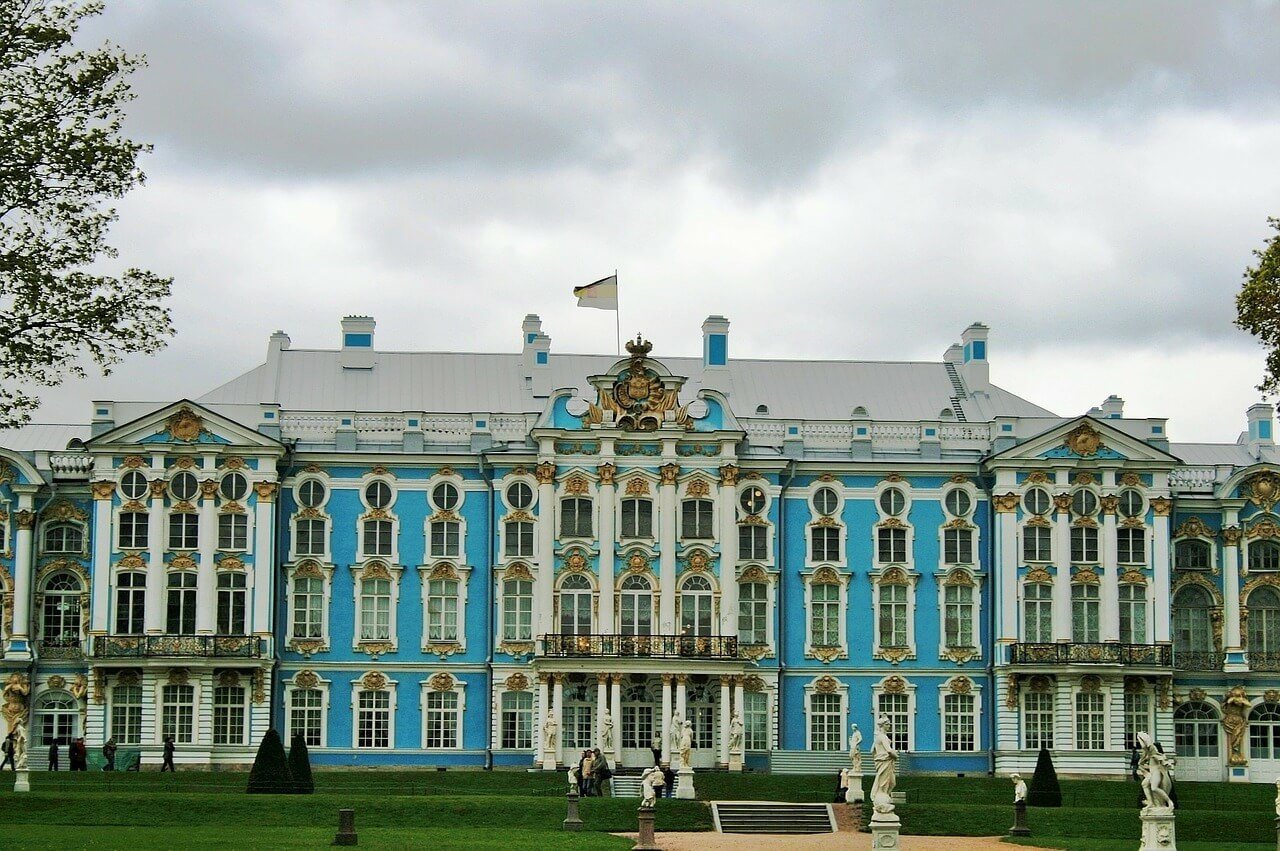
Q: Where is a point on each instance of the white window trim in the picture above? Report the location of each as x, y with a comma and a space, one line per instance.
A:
770, 712
878, 689
1107, 732
327, 555
510, 479
713, 580
825, 575
1023, 582
770, 581
652, 579
117, 511
43, 526
510, 574
459, 688
877, 581
357, 686
558, 582
435, 513
646, 540
322, 686
1021, 542
248, 516
371, 513
109, 712
561, 494
770, 527
835, 520
444, 569
1054, 720
1212, 569
682, 496
514, 516
357, 574
246, 735
975, 610
975, 689
500, 692
199, 736
326, 578
810, 689
1147, 609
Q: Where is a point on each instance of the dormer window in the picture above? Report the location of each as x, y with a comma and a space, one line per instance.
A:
762, 410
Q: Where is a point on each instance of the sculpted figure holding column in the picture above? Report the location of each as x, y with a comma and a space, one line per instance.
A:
886, 759
855, 748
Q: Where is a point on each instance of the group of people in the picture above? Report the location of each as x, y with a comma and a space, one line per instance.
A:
591, 772
78, 754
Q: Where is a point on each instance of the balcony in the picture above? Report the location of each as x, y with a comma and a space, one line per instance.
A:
1264, 660
1199, 660
564, 646
186, 646
1153, 655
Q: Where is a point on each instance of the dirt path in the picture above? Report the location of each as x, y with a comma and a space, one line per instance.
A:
712, 841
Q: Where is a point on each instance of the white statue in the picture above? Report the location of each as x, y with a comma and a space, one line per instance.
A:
1156, 773
1019, 788
19, 745
686, 745
1278, 797
606, 733
735, 733
550, 734
855, 748
886, 759
650, 780
673, 731
573, 778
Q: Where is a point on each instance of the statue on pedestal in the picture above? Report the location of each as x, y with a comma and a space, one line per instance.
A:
1156, 774
673, 731
855, 748
886, 759
1019, 788
20, 745
735, 733
686, 745
606, 733
649, 781
550, 733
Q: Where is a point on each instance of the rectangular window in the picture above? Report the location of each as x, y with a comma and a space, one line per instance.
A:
231, 603
1037, 720
891, 545
308, 607
131, 603
133, 530
637, 519
517, 720
180, 614
306, 711
957, 546
824, 543
375, 609
959, 616
442, 719
825, 616
517, 610
637, 726
696, 519
897, 708
1084, 545
753, 543
575, 518
442, 610
519, 543
177, 717
1037, 612
577, 727
1037, 543
445, 538
958, 723
1133, 614
755, 721
1131, 546
373, 719
1091, 731
228, 715
753, 613
126, 714
309, 537
233, 531
893, 616
1137, 717
826, 722
1084, 614
184, 531
377, 537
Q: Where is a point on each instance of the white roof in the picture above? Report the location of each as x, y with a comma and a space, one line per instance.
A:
34, 437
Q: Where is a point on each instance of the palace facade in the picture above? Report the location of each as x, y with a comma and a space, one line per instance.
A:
418, 558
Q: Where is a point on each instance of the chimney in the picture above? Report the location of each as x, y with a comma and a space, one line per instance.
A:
1260, 428
357, 342
530, 331
537, 357
715, 354
104, 418
269, 390
1113, 408
975, 370
954, 354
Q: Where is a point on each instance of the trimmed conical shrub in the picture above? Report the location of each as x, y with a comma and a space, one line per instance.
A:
300, 766
270, 773
1044, 790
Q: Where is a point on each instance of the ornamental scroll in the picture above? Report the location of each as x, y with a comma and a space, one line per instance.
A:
639, 399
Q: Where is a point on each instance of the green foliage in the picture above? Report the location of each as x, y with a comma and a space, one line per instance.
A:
1258, 306
63, 158
300, 767
270, 772
1044, 790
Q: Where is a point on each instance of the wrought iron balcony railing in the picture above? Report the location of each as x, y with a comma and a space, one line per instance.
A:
141, 646
1264, 660
560, 645
1072, 653
1198, 660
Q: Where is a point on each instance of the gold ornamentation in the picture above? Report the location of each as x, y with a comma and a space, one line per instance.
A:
826, 685
1110, 503
698, 488
516, 648
959, 577
1162, 506
1011, 693
443, 571
755, 652
178, 676
1041, 683
1083, 478
182, 561
184, 462
825, 576
376, 649
1234, 711
638, 399
184, 425
667, 473
375, 570
1269, 580
574, 560
637, 486
1085, 576
159, 487
518, 570
309, 569
133, 462
1263, 490
1133, 577
517, 682
637, 562
576, 485
753, 520
25, 519
893, 576
1271, 695
828, 521
606, 472
1197, 694
960, 685
129, 678
1134, 685
259, 686
895, 655
957, 523
959, 479
890, 523
960, 655
229, 679
229, 563
1005, 503
442, 648
754, 573
1132, 523
1164, 686
1083, 440
79, 686
1231, 536
266, 491
728, 475
1132, 480
134, 507
131, 562
1062, 502
57, 681
232, 462
306, 679
1194, 527
1090, 684
893, 477
1038, 520
99, 685
753, 684
545, 473
62, 510
1037, 477
1085, 523
442, 681
1265, 528
894, 685
697, 561
374, 681
103, 490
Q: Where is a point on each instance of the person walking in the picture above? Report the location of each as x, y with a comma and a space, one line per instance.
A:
656, 747
584, 774
8, 748
599, 773
79, 755
167, 765
53, 756
109, 754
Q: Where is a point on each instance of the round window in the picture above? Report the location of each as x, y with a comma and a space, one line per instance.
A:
378, 494
183, 486
1084, 503
311, 493
1036, 501
1130, 503
520, 495
133, 485
444, 496
959, 502
892, 501
234, 486
752, 500
825, 500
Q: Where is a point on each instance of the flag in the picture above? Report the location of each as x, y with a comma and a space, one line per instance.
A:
602, 295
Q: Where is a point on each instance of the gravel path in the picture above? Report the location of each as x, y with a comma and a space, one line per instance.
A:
712, 841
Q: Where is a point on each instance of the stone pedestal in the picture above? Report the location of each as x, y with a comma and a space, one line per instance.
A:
571, 820
1019, 820
22, 782
1277, 833
853, 794
884, 831
1158, 830
549, 760
735, 761
644, 841
346, 828
684, 784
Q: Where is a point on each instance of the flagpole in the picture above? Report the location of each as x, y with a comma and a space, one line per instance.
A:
617, 315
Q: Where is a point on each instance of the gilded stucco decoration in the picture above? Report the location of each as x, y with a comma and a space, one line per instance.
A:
307, 647
1085, 576
1231, 536
606, 472
129, 678
517, 682
229, 679
1085, 523
1040, 683
1083, 478
545, 473
1083, 440
1132, 523
1235, 709
62, 510
79, 686
1263, 490
306, 679
1134, 685
519, 516
1062, 502
266, 491
1131, 480
158, 487
184, 424
182, 562
309, 569
57, 681
1110, 503
516, 648
576, 485
959, 479
1011, 693
443, 571
1133, 577
1265, 528
1271, 695
893, 576
698, 488
754, 573
375, 570
133, 462
178, 676
6, 473
697, 561
376, 649
1194, 527
826, 685
887, 523
519, 570
753, 520
1090, 684
638, 399
1038, 520
1162, 506
959, 655
637, 562
894, 685
668, 473
637, 486
959, 577
1164, 689
232, 462
575, 560
25, 519
957, 523
1038, 574
1197, 694
752, 683
230, 563
442, 681
374, 681
825, 576
894, 655
15, 692
259, 680
103, 490
960, 685
827, 520
728, 475
1037, 477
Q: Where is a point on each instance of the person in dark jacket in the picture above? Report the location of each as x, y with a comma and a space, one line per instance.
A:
167, 765
53, 756
669, 782
109, 754
8, 753
599, 772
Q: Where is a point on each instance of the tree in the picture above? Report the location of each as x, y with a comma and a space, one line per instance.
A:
300, 766
270, 772
63, 157
1258, 306
1044, 790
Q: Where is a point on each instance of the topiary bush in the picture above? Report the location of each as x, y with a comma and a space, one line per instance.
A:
300, 766
270, 772
1044, 790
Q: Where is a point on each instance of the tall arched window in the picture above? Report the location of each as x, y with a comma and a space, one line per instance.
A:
63, 538
442, 610
1133, 613
1037, 612
575, 605
1264, 731
60, 625
131, 602
1195, 729
1264, 556
695, 606
636, 610
1264, 621
375, 609
1192, 626
58, 715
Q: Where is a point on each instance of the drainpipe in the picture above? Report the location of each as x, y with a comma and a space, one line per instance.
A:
782, 597
486, 471
278, 639
991, 621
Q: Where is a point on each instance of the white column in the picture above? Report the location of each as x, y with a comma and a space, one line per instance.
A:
1231, 580
154, 611
665, 727
546, 548
558, 709
544, 712
1109, 593
1062, 573
206, 578
102, 535
667, 548
728, 550
1160, 572
615, 709
23, 567
606, 496
739, 701
1008, 549
681, 710
264, 524
602, 705
725, 681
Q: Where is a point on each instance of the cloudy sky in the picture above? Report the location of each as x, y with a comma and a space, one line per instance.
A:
840, 180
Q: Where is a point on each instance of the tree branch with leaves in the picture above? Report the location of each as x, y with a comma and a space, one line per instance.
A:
63, 159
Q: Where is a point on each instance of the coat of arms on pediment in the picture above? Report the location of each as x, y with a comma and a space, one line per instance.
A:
638, 397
